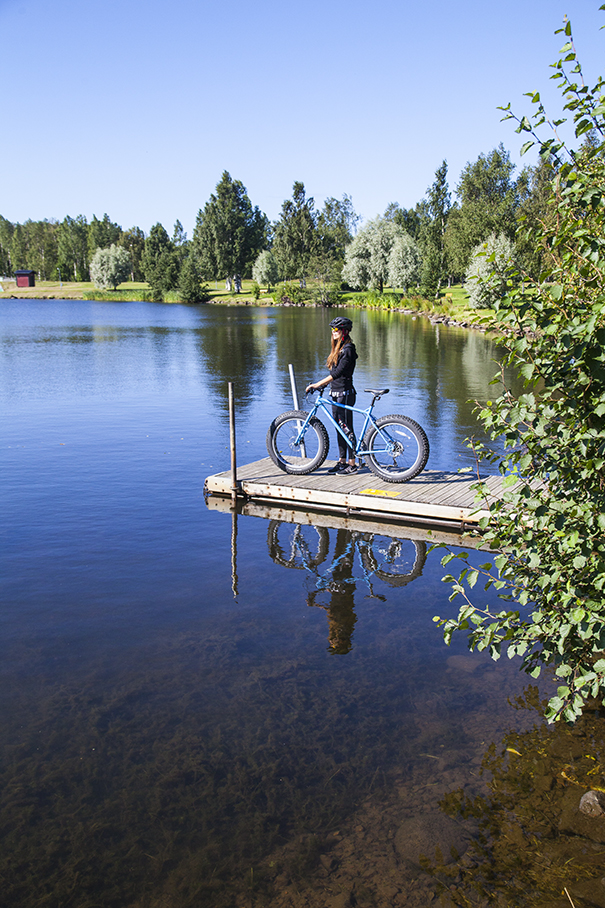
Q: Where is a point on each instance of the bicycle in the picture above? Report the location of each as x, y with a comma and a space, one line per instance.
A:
395, 447
395, 561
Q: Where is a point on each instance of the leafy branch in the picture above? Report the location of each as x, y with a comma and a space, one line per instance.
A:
548, 527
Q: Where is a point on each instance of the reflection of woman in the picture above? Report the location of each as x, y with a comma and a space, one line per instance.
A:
341, 611
341, 365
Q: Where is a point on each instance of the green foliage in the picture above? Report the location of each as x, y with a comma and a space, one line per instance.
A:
229, 233
433, 223
373, 299
368, 257
73, 249
488, 272
32, 245
405, 261
549, 528
291, 294
296, 238
110, 267
191, 289
265, 270
488, 199
406, 218
134, 241
102, 235
160, 262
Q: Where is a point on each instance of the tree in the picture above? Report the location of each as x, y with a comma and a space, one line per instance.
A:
336, 225
6, 237
265, 270
18, 252
432, 232
109, 267
549, 529
405, 261
488, 199
191, 289
229, 233
160, 263
367, 256
296, 239
73, 249
133, 240
488, 272
406, 218
533, 209
102, 234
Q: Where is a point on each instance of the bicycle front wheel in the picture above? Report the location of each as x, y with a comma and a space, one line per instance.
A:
295, 545
291, 453
398, 448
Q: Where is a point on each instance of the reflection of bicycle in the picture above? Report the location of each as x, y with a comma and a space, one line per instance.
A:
396, 448
395, 561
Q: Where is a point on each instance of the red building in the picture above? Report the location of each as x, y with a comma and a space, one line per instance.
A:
25, 278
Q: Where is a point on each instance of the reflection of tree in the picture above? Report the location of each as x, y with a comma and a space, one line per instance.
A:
445, 368
534, 843
233, 350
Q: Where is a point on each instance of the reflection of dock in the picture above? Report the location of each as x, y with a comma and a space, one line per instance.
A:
378, 525
433, 498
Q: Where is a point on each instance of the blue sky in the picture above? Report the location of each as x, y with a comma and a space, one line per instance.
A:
135, 107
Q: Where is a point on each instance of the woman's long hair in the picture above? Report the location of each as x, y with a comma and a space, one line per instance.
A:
337, 345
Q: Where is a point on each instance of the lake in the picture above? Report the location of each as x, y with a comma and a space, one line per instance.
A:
206, 709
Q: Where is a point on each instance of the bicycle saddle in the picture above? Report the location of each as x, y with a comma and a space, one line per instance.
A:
376, 393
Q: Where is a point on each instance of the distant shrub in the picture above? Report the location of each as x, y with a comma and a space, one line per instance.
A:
486, 277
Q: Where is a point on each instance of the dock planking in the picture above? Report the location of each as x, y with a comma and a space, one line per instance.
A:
433, 497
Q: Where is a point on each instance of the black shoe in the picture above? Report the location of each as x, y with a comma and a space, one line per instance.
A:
351, 468
338, 468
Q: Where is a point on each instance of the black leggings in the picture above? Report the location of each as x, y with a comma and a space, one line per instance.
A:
344, 418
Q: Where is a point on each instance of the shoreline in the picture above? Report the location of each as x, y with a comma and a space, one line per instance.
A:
130, 295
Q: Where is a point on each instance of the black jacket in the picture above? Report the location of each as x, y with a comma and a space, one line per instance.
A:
342, 372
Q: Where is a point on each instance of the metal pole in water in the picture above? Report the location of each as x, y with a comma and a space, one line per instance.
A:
293, 386
295, 399
232, 444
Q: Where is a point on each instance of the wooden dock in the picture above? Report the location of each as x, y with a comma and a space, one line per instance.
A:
434, 497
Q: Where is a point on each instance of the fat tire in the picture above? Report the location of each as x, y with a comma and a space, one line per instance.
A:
419, 454
276, 542
371, 562
316, 433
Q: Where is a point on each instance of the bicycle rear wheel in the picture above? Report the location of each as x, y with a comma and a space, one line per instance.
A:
294, 455
398, 448
396, 561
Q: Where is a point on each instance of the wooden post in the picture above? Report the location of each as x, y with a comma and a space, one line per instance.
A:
232, 444
234, 583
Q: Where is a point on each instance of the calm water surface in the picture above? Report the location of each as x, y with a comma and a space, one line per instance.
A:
203, 709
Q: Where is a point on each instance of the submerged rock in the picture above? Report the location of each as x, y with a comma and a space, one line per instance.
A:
430, 833
593, 804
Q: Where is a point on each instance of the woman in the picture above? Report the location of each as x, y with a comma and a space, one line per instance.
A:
341, 365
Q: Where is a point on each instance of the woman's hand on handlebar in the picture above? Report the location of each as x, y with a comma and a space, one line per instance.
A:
310, 389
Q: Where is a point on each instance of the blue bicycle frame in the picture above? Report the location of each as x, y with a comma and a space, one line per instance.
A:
321, 404
394, 447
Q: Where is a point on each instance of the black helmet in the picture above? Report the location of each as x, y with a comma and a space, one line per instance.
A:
341, 323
